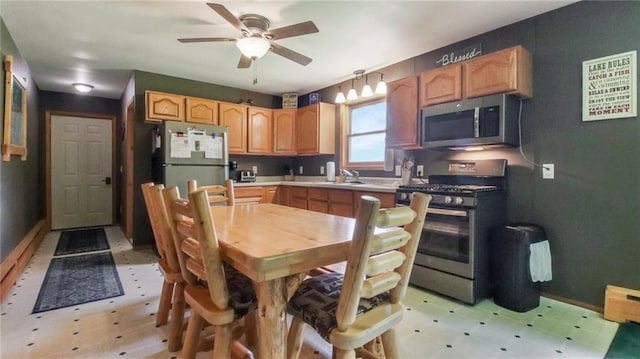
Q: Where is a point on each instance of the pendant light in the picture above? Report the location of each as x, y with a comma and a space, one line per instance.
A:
340, 96
381, 87
352, 94
366, 90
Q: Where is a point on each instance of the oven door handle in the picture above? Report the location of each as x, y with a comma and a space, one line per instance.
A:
447, 212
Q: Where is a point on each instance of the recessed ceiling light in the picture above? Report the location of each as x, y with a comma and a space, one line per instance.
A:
82, 87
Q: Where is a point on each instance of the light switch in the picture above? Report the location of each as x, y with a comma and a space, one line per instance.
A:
548, 171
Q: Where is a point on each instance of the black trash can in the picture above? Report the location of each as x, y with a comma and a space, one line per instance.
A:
512, 285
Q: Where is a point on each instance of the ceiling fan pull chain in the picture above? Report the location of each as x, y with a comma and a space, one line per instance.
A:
255, 72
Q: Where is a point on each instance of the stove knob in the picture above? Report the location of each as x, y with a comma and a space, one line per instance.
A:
459, 200
448, 199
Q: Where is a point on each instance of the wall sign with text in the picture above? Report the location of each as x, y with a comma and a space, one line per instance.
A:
459, 55
609, 88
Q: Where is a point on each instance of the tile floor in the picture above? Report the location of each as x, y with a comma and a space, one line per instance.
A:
433, 327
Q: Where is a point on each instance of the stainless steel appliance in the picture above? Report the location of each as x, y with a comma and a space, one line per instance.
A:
468, 202
245, 176
484, 121
184, 151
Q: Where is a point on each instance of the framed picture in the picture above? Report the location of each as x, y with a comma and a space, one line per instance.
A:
289, 100
14, 141
609, 88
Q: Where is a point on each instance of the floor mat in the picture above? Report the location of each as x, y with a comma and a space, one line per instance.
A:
78, 279
626, 342
81, 241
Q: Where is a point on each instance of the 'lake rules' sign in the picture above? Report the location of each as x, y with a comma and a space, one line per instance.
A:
609, 87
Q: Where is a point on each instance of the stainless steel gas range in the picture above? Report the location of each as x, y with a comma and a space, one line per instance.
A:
468, 202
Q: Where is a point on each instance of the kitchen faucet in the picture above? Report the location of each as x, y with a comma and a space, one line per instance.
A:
350, 176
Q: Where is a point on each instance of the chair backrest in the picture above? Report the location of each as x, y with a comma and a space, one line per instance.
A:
380, 262
160, 224
217, 194
191, 220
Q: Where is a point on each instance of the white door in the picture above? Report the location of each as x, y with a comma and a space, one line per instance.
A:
81, 189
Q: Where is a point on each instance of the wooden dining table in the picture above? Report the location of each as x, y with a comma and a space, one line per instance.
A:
276, 246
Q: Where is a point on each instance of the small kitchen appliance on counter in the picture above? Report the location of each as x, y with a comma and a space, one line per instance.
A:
245, 176
454, 250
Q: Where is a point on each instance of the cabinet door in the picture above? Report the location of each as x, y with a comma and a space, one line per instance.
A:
235, 117
284, 132
505, 71
307, 124
164, 106
341, 203
402, 114
259, 128
269, 195
283, 195
201, 110
248, 195
441, 85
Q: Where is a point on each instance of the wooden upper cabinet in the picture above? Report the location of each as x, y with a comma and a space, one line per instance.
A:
316, 127
164, 106
259, 128
201, 110
235, 117
505, 71
403, 131
284, 132
441, 85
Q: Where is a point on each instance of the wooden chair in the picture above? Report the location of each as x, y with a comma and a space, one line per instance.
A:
354, 309
216, 292
217, 194
172, 294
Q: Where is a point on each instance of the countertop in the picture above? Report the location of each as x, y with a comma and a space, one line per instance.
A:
370, 184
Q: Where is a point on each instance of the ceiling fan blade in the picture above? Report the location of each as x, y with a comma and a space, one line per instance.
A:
227, 15
303, 28
245, 62
207, 39
290, 54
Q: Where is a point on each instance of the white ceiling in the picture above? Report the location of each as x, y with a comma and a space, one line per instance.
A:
101, 42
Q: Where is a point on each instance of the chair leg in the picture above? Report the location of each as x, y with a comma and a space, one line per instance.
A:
192, 337
222, 342
162, 317
295, 338
177, 317
390, 344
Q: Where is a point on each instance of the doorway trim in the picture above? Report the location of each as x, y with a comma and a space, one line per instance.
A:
128, 178
48, 116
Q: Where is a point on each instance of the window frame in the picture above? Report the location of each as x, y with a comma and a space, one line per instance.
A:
345, 135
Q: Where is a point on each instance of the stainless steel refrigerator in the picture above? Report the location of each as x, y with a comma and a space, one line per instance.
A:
185, 151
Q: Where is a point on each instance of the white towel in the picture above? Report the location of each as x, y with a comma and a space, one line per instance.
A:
540, 261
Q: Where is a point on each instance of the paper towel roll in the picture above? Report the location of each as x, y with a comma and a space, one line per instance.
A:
331, 171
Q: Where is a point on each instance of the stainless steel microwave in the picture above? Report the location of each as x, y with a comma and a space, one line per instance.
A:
487, 121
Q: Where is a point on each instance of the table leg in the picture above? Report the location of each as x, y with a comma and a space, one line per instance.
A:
272, 326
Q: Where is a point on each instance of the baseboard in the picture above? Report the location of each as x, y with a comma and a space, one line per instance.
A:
17, 260
595, 308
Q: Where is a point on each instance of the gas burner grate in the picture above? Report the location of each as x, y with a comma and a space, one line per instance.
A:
433, 187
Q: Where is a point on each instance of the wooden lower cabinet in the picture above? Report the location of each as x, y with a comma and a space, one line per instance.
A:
341, 203
248, 195
283, 195
270, 194
318, 199
298, 197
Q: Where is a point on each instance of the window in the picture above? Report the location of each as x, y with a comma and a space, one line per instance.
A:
363, 134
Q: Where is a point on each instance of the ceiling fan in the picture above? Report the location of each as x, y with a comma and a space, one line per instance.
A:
256, 38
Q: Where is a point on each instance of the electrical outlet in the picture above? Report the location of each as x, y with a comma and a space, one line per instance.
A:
300, 170
255, 170
419, 170
548, 171
321, 170
398, 171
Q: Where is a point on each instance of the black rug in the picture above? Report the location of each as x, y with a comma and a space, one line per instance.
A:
626, 342
78, 279
82, 240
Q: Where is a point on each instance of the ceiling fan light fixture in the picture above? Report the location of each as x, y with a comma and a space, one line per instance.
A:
253, 47
82, 87
340, 96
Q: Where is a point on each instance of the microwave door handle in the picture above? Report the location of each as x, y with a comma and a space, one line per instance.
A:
476, 122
